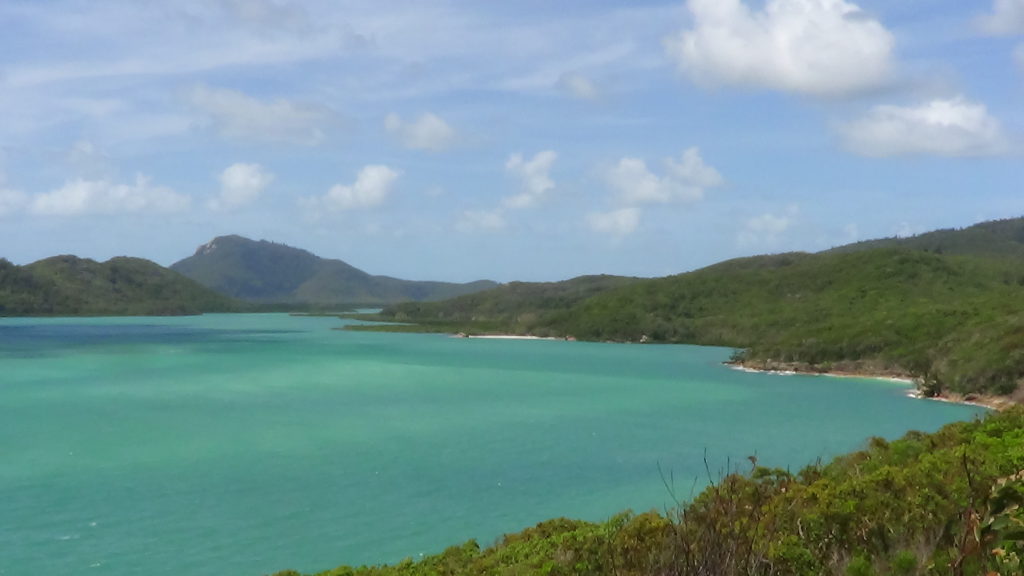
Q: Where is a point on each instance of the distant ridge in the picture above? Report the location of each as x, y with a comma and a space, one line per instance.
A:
72, 286
262, 271
993, 238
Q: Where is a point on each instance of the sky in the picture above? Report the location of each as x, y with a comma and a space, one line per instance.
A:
528, 140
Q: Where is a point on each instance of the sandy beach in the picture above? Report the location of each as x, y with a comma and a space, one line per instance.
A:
504, 337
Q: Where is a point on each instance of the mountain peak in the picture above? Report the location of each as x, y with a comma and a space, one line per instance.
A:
271, 272
219, 241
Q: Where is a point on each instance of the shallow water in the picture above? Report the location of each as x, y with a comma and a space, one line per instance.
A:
245, 444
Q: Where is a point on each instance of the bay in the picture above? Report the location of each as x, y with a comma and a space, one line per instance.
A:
246, 444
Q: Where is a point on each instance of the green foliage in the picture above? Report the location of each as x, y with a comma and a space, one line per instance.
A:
947, 503
516, 307
947, 307
70, 286
1003, 527
267, 272
996, 238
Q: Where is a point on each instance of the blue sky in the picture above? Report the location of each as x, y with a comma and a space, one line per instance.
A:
508, 140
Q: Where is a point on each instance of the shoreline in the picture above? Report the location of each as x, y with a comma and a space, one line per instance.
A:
997, 403
506, 337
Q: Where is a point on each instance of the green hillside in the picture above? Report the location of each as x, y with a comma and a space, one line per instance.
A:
516, 307
949, 503
269, 272
954, 318
997, 238
71, 286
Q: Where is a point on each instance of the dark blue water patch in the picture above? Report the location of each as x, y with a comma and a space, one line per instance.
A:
58, 339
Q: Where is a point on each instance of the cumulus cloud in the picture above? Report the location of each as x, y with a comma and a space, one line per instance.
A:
428, 132
1005, 19
954, 127
577, 86
684, 180
372, 187
535, 180
616, 223
535, 175
481, 220
817, 47
240, 185
237, 116
81, 197
765, 229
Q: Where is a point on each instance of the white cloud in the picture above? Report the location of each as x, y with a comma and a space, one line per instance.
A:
685, 180
764, 230
577, 86
428, 132
692, 171
237, 116
372, 187
616, 223
955, 127
818, 47
535, 175
1018, 56
1005, 19
80, 197
240, 185
636, 184
481, 220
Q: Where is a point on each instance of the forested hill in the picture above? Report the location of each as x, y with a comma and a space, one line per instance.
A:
517, 306
998, 238
953, 317
269, 272
72, 286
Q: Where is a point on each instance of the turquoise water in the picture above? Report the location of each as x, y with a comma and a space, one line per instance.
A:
246, 444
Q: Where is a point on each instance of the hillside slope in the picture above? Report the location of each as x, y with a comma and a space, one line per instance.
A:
72, 286
953, 317
996, 238
948, 503
268, 272
513, 307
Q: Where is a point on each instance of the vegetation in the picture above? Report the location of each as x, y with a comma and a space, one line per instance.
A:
518, 307
998, 238
70, 286
948, 503
952, 315
274, 273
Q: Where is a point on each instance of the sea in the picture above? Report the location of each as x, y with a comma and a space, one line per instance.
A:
247, 444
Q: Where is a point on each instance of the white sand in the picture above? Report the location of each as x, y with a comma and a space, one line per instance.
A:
509, 337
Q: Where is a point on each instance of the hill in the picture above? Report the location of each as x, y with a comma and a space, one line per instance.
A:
996, 238
72, 286
268, 272
953, 317
948, 503
514, 307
